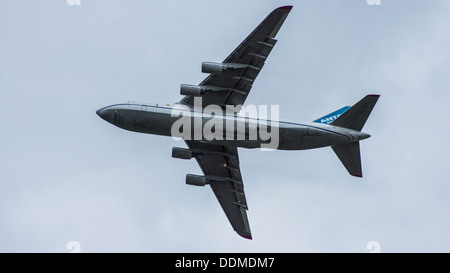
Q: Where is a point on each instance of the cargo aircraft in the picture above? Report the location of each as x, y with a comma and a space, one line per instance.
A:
228, 84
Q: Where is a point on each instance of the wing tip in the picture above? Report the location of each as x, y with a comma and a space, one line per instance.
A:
373, 95
247, 236
285, 7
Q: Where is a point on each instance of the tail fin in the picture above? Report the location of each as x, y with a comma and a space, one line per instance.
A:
327, 119
354, 118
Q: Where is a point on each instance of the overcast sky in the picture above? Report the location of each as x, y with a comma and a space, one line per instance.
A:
67, 175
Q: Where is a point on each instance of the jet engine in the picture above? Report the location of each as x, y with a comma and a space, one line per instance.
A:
218, 68
196, 180
181, 153
192, 90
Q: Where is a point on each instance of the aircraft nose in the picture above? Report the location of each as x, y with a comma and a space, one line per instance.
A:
104, 114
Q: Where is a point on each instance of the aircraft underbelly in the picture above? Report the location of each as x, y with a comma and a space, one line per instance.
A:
290, 137
148, 122
303, 138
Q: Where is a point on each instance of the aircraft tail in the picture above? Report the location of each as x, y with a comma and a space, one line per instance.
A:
327, 119
353, 118
350, 156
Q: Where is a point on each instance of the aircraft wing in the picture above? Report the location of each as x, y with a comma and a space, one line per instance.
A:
233, 86
220, 164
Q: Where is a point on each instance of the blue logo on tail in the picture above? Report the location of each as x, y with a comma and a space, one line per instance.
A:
332, 116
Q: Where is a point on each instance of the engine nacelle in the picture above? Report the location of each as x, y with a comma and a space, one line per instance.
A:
219, 68
213, 68
181, 153
196, 180
192, 90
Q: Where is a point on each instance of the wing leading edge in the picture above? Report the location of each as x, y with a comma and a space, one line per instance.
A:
220, 163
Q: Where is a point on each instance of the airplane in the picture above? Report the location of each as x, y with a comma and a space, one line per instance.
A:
228, 84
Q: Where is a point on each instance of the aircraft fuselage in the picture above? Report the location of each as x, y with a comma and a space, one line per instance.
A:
246, 132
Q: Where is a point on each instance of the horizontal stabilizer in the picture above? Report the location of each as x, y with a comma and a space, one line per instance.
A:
350, 156
355, 117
